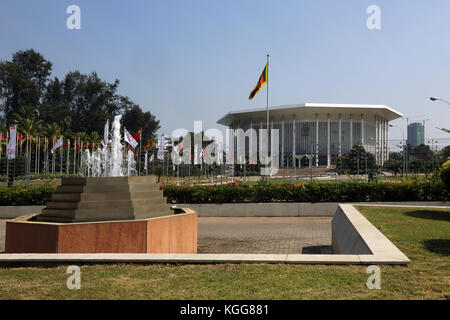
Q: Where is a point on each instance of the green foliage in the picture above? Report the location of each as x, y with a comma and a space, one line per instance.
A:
394, 165
25, 196
356, 159
307, 192
134, 119
76, 103
445, 153
445, 174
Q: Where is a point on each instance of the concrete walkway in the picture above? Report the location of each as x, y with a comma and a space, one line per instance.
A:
269, 235
2, 235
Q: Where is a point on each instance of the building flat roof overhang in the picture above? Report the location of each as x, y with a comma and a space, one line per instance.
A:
308, 111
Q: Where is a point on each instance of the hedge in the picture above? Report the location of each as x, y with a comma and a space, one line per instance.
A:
264, 192
307, 192
25, 196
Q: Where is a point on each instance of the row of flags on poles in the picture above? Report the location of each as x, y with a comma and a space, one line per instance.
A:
12, 137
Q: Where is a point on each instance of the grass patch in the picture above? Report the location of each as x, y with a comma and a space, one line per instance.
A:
423, 235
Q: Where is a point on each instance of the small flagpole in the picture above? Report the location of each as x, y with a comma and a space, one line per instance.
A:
268, 136
140, 149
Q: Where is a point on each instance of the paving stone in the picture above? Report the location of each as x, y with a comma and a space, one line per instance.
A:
262, 235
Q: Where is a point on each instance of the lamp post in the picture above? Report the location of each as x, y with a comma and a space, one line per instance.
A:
439, 99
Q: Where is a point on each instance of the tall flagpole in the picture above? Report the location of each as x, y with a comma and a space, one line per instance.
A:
268, 136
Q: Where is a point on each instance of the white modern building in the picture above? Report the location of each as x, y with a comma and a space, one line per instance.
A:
324, 131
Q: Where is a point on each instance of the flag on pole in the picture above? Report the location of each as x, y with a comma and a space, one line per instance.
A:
128, 138
160, 154
145, 160
11, 148
262, 80
151, 158
149, 144
137, 136
57, 144
106, 134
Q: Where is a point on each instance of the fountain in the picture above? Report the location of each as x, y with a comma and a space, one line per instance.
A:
109, 162
108, 210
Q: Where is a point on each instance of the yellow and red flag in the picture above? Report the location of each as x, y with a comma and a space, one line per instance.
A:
262, 80
137, 136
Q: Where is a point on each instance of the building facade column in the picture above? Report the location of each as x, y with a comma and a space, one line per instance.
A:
387, 139
250, 140
383, 141
293, 142
351, 131
340, 136
282, 142
317, 139
376, 140
363, 132
328, 142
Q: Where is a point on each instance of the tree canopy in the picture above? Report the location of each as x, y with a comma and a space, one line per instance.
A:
76, 103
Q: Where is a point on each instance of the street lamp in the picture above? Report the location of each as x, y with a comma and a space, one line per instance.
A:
436, 99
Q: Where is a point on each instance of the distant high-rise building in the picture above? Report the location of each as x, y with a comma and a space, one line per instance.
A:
416, 134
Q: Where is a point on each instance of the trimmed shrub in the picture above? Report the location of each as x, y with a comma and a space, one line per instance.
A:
25, 196
308, 192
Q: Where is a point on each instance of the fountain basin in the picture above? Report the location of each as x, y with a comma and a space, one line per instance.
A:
167, 234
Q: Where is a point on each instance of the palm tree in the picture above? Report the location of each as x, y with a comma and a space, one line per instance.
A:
29, 127
51, 131
94, 138
65, 128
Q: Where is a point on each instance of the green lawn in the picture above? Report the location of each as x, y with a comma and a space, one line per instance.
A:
423, 235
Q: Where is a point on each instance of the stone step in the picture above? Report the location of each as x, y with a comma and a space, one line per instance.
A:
146, 205
96, 188
153, 209
62, 205
54, 219
143, 179
147, 195
58, 213
107, 196
70, 189
104, 214
154, 214
73, 181
66, 197
110, 180
121, 203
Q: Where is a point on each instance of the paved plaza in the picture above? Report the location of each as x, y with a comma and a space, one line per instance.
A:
280, 235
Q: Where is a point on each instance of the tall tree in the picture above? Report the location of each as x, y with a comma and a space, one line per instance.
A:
34, 66
134, 119
22, 82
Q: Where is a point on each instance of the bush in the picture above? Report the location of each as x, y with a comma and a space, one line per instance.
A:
25, 196
308, 192
445, 174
